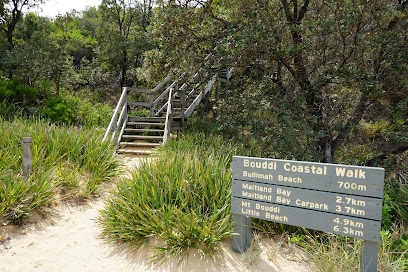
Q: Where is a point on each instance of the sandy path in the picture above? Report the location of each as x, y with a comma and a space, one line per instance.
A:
68, 241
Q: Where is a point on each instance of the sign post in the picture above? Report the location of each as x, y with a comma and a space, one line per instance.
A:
334, 198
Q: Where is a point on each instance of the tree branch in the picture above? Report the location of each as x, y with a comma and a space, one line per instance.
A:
287, 10
208, 10
303, 11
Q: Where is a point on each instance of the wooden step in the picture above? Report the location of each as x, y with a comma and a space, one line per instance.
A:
146, 119
135, 152
145, 124
141, 137
143, 130
146, 144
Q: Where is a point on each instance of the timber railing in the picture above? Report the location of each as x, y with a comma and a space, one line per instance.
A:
120, 122
169, 117
157, 104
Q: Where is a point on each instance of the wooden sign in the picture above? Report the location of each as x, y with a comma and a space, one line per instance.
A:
340, 199
353, 227
355, 180
357, 206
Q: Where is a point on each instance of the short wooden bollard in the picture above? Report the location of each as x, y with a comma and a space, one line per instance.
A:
242, 225
27, 156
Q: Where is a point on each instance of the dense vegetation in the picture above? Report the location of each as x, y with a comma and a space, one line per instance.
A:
318, 80
68, 164
183, 197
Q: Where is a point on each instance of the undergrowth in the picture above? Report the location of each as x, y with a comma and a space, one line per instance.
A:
335, 253
68, 163
183, 197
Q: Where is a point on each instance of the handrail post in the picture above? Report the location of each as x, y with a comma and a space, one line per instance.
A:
27, 157
116, 123
113, 123
169, 117
182, 94
115, 133
151, 102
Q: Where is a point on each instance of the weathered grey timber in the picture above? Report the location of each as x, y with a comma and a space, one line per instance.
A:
242, 227
356, 206
27, 156
340, 199
198, 99
115, 123
169, 117
345, 225
369, 260
357, 180
134, 133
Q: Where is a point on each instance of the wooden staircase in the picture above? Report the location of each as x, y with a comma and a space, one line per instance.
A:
141, 135
170, 104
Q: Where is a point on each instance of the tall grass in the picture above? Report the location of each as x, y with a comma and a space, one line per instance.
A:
334, 253
183, 197
67, 162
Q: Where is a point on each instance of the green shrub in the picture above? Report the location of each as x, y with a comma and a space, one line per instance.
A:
396, 203
88, 110
13, 91
183, 197
79, 108
58, 111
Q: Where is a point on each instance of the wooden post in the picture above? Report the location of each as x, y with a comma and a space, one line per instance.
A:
228, 83
183, 102
370, 256
217, 98
115, 132
27, 156
151, 102
169, 117
242, 226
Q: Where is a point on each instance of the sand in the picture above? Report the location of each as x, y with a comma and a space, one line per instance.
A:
69, 241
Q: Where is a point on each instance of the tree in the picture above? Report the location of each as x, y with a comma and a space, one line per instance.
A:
122, 35
12, 14
147, 7
326, 64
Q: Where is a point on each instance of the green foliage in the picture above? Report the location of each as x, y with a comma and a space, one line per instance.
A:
263, 129
338, 253
88, 109
183, 197
386, 219
395, 203
81, 108
20, 197
305, 73
13, 91
393, 253
67, 161
58, 111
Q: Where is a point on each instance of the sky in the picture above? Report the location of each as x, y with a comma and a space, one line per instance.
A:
51, 8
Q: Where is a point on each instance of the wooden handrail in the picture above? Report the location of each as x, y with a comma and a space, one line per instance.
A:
184, 86
114, 123
161, 84
169, 117
165, 92
199, 97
